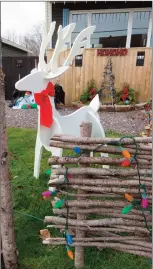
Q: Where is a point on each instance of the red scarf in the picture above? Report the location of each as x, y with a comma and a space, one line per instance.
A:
42, 99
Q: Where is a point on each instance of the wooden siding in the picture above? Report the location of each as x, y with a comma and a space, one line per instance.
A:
12, 51
12, 72
74, 81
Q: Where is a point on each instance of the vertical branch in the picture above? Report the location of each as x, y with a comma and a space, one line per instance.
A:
110, 79
85, 131
8, 242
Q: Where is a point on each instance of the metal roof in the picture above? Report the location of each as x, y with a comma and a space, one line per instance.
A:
17, 46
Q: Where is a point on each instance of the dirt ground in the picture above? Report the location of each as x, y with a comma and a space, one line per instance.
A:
132, 122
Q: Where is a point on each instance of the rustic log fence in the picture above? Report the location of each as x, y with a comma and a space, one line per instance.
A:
120, 196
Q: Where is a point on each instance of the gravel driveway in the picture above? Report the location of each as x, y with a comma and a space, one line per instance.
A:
132, 122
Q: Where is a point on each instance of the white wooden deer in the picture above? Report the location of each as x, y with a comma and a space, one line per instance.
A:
41, 78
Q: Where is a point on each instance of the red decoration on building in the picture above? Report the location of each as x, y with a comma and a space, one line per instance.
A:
112, 52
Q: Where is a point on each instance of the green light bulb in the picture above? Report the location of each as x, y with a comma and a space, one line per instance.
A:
127, 209
48, 172
59, 204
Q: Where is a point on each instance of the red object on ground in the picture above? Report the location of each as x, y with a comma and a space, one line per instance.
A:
42, 99
28, 93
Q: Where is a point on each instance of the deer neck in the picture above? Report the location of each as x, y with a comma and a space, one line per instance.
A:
52, 102
54, 112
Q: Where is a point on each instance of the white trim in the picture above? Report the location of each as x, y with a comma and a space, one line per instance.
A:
149, 31
70, 17
89, 18
48, 19
51, 14
129, 30
111, 10
89, 24
70, 21
17, 46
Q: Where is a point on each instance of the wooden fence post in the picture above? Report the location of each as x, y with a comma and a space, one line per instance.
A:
85, 131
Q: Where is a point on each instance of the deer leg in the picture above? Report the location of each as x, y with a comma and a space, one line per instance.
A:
38, 155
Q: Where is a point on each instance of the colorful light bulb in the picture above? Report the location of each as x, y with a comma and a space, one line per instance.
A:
127, 209
126, 154
125, 163
77, 150
144, 201
68, 238
47, 193
129, 197
48, 172
69, 253
59, 204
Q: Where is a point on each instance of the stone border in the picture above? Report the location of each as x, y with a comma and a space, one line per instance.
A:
122, 108
114, 108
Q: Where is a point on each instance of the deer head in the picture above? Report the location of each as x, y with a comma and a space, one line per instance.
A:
38, 79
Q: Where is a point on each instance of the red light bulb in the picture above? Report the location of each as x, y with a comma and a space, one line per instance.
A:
125, 163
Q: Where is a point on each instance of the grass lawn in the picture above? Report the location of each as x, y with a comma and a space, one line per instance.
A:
27, 199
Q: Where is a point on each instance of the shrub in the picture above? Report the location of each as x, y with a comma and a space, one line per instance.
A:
126, 96
90, 92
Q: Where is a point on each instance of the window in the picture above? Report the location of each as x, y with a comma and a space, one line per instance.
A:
78, 60
115, 28
81, 21
140, 29
140, 58
111, 29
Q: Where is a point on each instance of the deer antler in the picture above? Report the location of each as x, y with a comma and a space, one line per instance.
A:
44, 43
78, 43
64, 36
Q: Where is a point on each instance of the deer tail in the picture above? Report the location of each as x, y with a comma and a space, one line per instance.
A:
95, 104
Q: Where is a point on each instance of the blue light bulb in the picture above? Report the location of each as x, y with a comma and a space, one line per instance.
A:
69, 238
77, 150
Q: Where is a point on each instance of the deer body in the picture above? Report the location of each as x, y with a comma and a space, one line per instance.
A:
69, 124
38, 80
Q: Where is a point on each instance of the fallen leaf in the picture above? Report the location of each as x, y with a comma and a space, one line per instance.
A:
44, 234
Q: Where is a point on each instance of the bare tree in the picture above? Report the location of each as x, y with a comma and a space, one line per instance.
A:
33, 38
